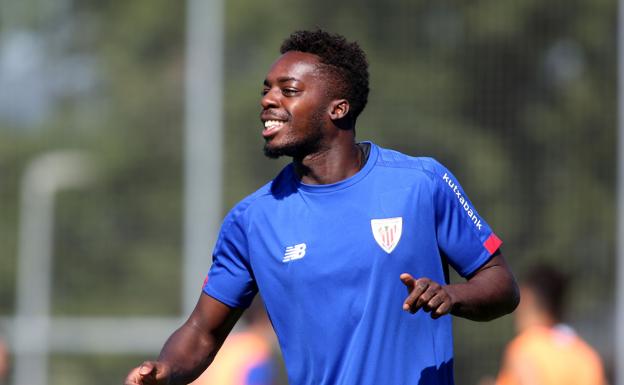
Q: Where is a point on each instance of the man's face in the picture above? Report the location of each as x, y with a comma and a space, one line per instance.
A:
294, 106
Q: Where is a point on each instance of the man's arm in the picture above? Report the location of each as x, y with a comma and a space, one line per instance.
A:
191, 348
487, 294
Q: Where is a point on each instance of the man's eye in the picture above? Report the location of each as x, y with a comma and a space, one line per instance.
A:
289, 91
264, 91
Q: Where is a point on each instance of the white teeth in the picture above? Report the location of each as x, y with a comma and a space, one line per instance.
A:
272, 123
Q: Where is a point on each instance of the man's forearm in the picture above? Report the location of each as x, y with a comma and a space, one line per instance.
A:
492, 292
191, 348
187, 353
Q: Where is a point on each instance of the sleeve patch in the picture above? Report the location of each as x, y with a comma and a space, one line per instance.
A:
492, 243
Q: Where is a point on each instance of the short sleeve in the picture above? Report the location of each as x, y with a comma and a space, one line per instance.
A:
230, 279
464, 237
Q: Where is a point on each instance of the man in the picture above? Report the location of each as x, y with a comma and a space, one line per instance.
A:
547, 352
333, 242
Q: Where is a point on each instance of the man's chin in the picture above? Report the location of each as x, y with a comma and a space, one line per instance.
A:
272, 153
291, 149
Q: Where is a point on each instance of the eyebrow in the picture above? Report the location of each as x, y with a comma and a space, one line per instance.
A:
283, 79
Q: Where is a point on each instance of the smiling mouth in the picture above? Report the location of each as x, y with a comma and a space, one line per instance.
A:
271, 127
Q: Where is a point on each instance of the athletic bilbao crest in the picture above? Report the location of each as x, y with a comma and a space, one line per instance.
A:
387, 232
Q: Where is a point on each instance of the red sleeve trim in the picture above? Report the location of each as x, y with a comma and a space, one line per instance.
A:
492, 243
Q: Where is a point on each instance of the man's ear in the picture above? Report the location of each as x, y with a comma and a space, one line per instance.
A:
338, 109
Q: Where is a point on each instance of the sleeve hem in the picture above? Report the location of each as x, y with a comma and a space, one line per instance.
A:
224, 299
491, 245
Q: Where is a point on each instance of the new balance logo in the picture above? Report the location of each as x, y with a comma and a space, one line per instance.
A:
294, 252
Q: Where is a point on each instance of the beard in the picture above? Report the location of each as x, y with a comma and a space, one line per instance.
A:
298, 148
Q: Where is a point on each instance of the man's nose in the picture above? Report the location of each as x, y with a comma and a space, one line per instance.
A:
269, 100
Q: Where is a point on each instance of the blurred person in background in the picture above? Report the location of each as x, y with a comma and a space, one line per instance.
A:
337, 238
247, 356
4, 362
546, 351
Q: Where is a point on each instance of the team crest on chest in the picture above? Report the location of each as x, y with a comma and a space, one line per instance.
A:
387, 232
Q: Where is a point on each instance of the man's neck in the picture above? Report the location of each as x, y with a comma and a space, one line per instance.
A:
331, 164
535, 319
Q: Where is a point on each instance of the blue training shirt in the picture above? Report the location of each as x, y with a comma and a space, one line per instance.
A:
327, 260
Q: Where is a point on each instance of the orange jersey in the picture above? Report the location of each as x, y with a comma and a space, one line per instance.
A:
550, 356
240, 353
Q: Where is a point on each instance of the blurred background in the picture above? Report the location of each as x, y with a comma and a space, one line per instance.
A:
518, 98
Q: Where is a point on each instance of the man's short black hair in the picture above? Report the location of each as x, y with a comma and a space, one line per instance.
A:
346, 60
549, 285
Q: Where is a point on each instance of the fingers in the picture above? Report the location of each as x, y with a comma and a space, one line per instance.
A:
149, 373
133, 378
442, 309
415, 288
140, 376
439, 304
147, 369
408, 281
425, 294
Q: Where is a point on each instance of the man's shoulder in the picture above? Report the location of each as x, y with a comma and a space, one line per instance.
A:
396, 159
277, 188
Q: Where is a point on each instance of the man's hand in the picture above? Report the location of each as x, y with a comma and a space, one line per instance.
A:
149, 373
426, 294
488, 293
190, 349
